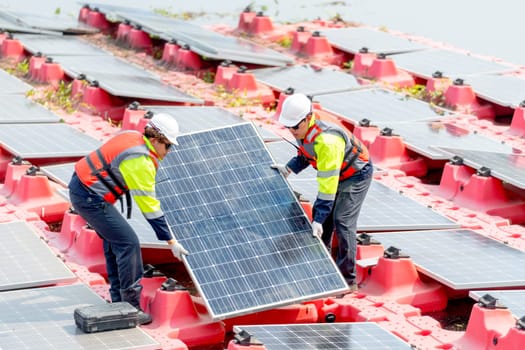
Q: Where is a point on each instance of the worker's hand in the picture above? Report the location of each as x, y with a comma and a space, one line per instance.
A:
283, 169
178, 250
317, 229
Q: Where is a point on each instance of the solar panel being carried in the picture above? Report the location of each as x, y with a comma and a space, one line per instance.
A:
306, 79
250, 242
379, 105
331, 336
354, 39
460, 259
37, 141
42, 318
19, 109
426, 138
504, 166
27, 261
9, 84
450, 63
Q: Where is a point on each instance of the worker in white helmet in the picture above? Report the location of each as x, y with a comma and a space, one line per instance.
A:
125, 166
344, 174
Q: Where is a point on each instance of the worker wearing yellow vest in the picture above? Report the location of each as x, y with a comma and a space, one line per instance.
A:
344, 174
125, 166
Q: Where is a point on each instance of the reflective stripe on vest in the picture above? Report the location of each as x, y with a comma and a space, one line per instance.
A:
356, 154
93, 169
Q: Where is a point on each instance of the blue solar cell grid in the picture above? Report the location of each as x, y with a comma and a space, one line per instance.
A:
249, 239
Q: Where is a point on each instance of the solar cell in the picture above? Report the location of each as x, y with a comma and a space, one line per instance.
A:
42, 318
506, 167
249, 240
505, 90
383, 208
139, 87
425, 138
452, 64
330, 336
105, 64
32, 141
27, 261
13, 27
460, 259
379, 105
306, 79
19, 109
51, 45
514, 300
10, 84
354, 39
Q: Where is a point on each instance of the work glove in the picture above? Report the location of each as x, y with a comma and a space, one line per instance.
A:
317, 229
178, 250
283, 169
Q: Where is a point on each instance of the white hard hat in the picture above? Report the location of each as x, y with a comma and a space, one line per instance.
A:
295, 108
166, 125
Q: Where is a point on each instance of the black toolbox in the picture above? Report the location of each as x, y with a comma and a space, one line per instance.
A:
106, 317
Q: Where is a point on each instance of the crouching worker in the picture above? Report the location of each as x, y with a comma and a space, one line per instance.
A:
125, 166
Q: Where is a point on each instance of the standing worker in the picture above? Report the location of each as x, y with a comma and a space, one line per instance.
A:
344, 174
125, 166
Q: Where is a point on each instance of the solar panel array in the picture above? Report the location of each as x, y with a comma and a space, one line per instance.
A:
329, 336
379, 105
506, 167
204, 42
505, 90
10, 84
485, 263
19, 109
354, 39
425, 138
54, 45
250, 242
27, 261
42, 318
306, 79
514, 300
35, 141
452, 64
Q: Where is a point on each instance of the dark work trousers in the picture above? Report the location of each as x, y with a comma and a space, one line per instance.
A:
121, 244
345, 212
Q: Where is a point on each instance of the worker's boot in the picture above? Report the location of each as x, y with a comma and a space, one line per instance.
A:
132, 296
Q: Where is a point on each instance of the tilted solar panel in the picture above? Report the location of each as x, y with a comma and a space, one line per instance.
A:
250, 242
